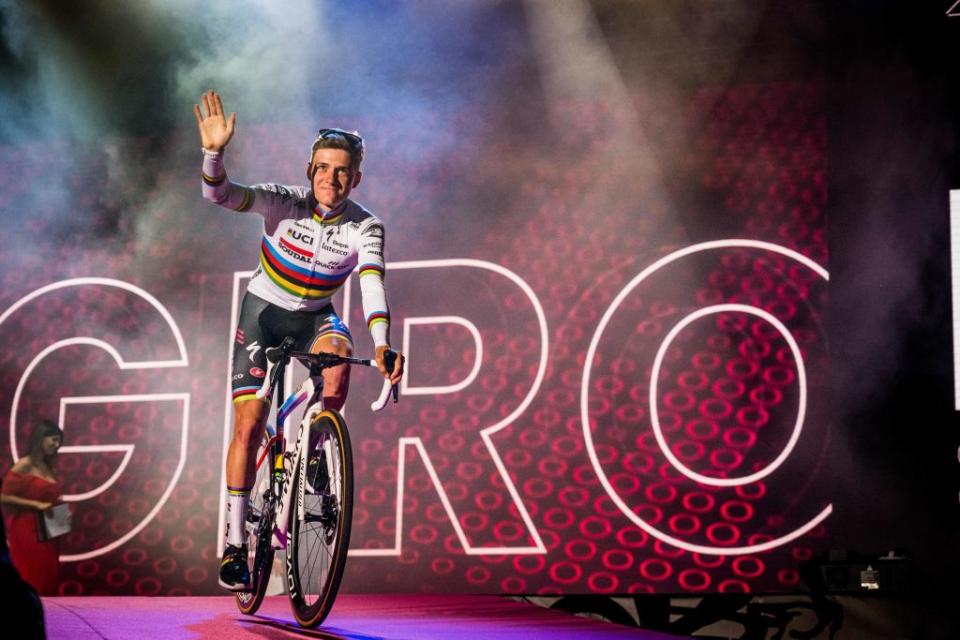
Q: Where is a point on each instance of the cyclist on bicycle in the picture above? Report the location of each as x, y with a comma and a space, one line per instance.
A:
313, 238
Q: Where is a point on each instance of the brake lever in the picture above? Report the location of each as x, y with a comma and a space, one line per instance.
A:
390, 362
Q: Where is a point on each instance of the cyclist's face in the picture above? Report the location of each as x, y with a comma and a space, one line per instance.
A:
331, 176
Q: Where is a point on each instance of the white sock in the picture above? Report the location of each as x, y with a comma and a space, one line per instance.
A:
237, 501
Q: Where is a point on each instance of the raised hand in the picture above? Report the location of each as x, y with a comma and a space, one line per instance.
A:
215, 129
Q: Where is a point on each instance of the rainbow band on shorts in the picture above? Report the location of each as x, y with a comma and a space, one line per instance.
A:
336, 328
241, 394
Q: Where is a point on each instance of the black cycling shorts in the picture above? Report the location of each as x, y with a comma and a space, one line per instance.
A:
263, 325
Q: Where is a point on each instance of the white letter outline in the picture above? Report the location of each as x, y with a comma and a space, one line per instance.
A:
485, 434
408, 390
585, 388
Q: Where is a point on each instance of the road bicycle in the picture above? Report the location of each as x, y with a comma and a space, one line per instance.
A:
302, 499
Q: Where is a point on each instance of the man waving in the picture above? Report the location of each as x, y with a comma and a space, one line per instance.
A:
313, 238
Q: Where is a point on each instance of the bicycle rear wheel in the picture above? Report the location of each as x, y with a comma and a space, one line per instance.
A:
317, 550
259, 525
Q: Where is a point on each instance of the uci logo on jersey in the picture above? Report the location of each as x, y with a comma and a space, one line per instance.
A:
301, 236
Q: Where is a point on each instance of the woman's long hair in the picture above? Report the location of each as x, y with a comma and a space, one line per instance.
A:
40, 431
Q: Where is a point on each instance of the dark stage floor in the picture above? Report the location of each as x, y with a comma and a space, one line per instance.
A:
358, 617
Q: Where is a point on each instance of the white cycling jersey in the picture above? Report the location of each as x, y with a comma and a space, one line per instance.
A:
305, 254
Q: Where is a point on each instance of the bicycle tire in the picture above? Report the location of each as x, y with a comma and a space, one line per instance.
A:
260, 516
317, 548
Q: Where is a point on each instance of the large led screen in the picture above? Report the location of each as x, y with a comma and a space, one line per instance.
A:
616, 353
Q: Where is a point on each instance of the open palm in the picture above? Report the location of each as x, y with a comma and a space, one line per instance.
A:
215, 129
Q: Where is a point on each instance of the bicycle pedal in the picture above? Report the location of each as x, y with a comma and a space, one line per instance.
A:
236, 588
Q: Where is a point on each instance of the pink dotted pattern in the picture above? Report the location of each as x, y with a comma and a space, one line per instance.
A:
577, 233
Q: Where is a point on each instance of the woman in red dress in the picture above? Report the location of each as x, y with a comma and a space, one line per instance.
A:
31, 486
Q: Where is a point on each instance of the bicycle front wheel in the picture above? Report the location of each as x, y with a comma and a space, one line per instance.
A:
259, 529
320, 529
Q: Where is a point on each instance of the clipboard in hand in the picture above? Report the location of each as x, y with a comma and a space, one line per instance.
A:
53, 522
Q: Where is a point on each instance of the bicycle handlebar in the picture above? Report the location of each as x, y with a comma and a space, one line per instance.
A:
325, 360
317, 362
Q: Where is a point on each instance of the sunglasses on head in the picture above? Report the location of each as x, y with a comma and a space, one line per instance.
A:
351, 136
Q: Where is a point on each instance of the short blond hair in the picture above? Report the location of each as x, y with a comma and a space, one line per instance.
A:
349, 141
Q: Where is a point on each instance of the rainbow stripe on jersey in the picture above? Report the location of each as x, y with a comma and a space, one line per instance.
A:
296, 280
371, 270
328, 217
378, 317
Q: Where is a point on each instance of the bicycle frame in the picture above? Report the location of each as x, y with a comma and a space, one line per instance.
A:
289, 454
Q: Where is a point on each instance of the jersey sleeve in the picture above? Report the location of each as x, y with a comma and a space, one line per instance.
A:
372, 270
272, 201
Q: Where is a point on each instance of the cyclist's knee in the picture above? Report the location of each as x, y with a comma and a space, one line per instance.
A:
332, 343
336, 383
336, 380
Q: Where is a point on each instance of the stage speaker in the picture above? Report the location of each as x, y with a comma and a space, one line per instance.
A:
847, 572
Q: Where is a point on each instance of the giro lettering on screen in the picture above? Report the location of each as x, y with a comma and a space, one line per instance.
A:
694, 404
